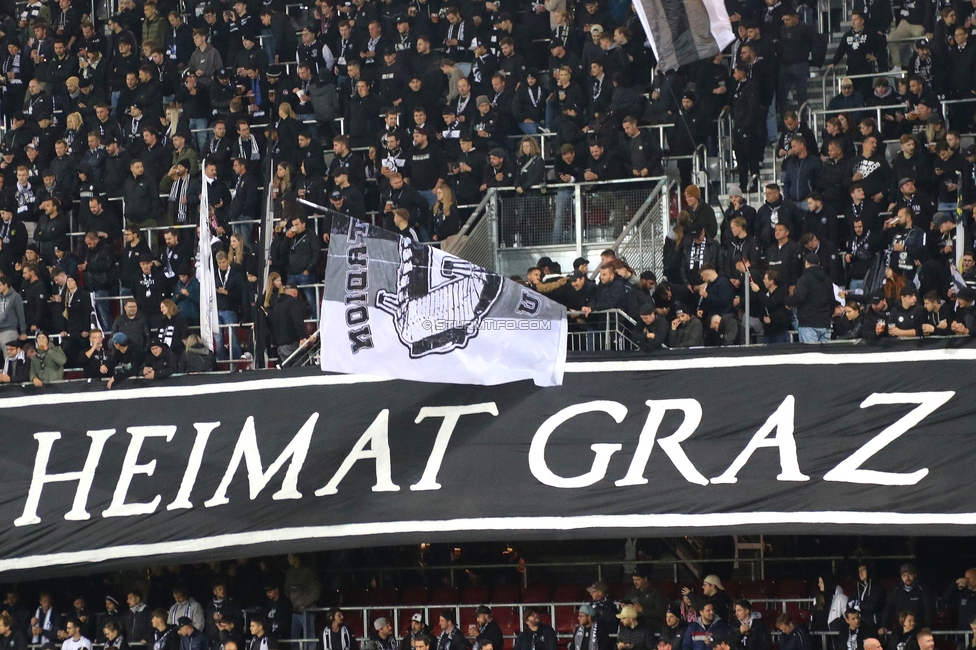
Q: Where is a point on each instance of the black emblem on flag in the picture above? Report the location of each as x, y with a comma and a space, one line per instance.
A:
437, 310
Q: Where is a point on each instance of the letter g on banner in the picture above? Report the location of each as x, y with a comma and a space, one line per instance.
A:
602, 451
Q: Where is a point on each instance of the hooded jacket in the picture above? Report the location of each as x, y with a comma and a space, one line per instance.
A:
813, 298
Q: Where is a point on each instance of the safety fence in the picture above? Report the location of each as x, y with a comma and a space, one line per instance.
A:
610, 330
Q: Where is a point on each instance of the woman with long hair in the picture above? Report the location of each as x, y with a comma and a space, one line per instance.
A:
76, 308
272, 291
75, 135
197, 357
282, 189
288, 126
446, 220
171, 327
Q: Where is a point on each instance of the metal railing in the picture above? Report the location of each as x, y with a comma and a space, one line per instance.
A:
606, 330
641, 242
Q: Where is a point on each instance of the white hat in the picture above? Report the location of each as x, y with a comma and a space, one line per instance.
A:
380, 623
417, 618
714, 580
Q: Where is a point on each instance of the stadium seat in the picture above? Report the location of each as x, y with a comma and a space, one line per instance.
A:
668, 588
802, 616
506, 594
619, 590
507, 619
355, 598
733, 588
754, 589
565, 621
384, 597
474, 596
353, 618
571, 593
415, 596
791, 589
536, 594
444, 596
373, 614
467, 618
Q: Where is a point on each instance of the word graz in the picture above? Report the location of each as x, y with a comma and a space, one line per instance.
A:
373, 445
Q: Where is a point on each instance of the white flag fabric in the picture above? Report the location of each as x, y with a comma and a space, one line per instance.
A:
395, 308
684, 31
205, 271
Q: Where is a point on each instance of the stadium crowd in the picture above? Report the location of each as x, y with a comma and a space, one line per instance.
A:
247, 604
111, 112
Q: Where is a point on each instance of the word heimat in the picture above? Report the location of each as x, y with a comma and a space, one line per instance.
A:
373, 446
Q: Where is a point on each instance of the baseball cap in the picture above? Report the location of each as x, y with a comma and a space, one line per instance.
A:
336, 195
846, 81
183, 620
969, 295
599, 585
924, 44
417, 618
943, 217
596, 29
714, 580
877, 296
971, 150
586, 609
380, 623
483, 609
577, 275
812, 259
909, 290
120, 339
627, 611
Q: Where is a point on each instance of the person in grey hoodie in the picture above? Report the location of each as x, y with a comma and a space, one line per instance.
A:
12, 323
302, 587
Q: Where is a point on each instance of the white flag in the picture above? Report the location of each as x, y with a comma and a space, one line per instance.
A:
395, 308
205, 271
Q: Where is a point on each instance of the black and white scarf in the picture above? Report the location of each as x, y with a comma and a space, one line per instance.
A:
580, 633
538, 97
44, 618
252, 152
343, 633
177, 195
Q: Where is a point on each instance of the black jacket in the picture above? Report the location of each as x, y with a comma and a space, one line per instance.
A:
608, 296
287, 322
757, 638
640, 636
774, 306
813, 298
244, 205
303, 254
787, 260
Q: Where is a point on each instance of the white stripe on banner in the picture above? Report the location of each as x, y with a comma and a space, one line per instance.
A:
492, 524
703, 30
205, 271
705, 363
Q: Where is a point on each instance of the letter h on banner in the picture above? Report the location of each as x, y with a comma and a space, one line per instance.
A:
79, 508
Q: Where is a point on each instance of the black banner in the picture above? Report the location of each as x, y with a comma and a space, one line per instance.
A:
748, 441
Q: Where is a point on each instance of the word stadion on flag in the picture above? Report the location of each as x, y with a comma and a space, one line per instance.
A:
395, 308
684, 31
